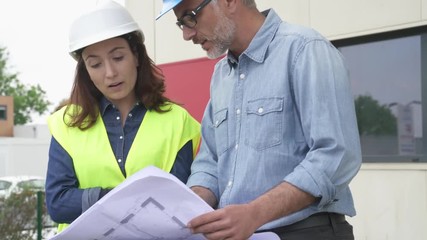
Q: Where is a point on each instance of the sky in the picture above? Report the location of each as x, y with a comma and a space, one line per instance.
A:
35, 34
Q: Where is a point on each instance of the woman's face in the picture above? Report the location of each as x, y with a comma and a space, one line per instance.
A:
112, 67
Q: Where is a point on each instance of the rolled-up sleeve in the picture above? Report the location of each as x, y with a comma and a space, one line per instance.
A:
325, 104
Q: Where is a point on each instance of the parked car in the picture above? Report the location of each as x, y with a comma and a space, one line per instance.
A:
17, 184
18, 213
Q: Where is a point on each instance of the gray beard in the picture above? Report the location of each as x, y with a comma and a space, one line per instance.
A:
223, 32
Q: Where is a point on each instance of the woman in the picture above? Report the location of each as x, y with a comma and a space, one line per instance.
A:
117, 120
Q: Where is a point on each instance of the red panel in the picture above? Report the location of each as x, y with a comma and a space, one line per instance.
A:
187, 82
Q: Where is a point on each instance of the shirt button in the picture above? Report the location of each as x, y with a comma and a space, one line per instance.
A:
121, 137
238, 111
216, 123
119, 160
230, 183
242, 76
260, 110
237, 146
118, 118
130, 115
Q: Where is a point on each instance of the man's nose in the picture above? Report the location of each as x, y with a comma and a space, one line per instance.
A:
188, 33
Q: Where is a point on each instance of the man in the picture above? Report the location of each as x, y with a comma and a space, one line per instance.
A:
280, 143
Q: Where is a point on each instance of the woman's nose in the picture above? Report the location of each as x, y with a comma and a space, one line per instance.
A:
110, 70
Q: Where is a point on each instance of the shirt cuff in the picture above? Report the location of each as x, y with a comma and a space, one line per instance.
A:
204, 180
89, 197
309, 179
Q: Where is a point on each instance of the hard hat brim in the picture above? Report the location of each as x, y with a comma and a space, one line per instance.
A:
167, 6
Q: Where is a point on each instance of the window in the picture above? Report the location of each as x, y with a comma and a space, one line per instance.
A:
4, 185
388, 77
3, 112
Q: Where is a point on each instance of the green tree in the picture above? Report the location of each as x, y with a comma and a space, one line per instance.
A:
373, 118
27, 99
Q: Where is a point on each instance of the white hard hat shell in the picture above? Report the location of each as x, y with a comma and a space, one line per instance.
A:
107, 20
167, 6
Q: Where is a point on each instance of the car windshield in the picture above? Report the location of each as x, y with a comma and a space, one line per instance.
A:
31, 184
4, 185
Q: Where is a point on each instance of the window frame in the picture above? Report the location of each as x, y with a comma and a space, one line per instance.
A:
415, 31
3, 108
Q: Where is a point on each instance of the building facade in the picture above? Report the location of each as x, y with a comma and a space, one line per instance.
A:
6, 116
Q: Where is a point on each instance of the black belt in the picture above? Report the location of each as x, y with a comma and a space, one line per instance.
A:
315, 220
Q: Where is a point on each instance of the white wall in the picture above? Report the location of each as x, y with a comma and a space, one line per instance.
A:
391, 202
27, 152
354, 18
23, 156
424, 9
39, 131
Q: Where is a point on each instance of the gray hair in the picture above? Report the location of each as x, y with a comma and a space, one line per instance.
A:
247, 3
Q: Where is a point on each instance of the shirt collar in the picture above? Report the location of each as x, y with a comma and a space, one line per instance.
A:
105, 104
258, 47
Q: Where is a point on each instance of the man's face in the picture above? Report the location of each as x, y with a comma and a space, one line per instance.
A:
213, 30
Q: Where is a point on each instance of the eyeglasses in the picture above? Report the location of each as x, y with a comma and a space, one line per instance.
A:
189, 19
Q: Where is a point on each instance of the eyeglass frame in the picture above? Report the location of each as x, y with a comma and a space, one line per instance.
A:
191, 16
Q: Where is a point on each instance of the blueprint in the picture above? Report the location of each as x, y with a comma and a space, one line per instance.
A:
149, 205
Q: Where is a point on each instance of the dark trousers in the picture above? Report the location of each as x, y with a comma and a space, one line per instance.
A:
320, 226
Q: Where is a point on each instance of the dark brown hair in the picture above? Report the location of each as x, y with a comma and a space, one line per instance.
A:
149, 87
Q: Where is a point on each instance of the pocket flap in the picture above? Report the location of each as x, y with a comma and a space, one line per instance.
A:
220, 117
265, 105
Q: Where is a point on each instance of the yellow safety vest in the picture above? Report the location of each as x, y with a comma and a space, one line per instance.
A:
157, 142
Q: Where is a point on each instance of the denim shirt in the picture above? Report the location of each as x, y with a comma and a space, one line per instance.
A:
282, 111
66, 201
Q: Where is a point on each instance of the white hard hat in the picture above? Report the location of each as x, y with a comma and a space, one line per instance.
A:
167, 6
107, 20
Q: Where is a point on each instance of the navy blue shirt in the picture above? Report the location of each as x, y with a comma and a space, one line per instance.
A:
65, 201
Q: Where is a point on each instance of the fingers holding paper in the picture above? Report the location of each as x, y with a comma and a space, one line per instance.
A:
234, 222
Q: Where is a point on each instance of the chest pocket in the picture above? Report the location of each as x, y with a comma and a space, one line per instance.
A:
220, 125
264, 123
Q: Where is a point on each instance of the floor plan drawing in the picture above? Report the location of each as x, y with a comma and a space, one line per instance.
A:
139, 220
149, 205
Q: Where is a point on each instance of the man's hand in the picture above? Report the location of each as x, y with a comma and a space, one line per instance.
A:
234, 222
239, 222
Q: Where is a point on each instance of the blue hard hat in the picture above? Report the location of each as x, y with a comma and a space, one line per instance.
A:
167, 6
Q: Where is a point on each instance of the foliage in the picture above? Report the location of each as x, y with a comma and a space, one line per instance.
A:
27, 99
373, 118
18, 216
